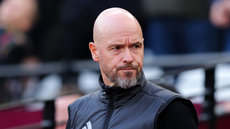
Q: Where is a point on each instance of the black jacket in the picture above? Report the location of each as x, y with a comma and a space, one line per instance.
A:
117, 108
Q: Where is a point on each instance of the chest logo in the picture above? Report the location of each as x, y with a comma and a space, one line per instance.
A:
88, 125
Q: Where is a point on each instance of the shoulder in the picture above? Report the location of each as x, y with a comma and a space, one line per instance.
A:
154, 90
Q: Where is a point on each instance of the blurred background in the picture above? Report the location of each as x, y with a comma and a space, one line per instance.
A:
45, 62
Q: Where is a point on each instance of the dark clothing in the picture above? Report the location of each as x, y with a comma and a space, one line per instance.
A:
170, 35
134, 108
14, 46
180, 27
177, 8
176, 116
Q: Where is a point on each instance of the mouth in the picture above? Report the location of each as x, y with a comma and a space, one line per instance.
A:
128, 69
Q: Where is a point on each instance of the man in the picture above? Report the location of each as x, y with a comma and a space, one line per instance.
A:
126, 100
16, 19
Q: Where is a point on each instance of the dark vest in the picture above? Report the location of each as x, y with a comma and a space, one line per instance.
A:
116, 108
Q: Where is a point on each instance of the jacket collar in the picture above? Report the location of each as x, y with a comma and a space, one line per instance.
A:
120, 95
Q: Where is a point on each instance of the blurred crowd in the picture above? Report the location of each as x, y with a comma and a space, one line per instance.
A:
57, 30
38, 31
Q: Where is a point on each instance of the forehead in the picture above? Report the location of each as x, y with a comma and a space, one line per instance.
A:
120, 27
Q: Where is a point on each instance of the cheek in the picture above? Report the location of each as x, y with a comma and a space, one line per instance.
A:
114, 60
109, 61
139, 59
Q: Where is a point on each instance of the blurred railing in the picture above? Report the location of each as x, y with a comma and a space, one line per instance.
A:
187, 61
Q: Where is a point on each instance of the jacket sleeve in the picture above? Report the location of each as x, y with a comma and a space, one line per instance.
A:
68, 126
177, 116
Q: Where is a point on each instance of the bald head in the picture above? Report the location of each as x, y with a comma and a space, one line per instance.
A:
19, 14
113, 19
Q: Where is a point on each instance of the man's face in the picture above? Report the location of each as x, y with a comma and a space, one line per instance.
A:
121, 54
18, 14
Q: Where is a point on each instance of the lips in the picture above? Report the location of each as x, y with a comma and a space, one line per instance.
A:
128, 69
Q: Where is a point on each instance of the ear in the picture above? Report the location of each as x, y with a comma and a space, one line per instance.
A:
94, 51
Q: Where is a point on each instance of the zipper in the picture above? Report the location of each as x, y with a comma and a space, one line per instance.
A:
110, 111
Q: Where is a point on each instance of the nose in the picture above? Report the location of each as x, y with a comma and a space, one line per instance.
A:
127, 57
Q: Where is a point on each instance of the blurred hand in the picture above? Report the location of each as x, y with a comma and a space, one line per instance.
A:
220, 13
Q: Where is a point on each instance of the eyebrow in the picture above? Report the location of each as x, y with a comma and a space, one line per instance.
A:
137, 43
121, 44
115, 44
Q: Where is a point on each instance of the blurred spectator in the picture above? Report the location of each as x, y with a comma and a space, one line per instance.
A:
220, 12
220, 17
61, 105
16, 18
180, 27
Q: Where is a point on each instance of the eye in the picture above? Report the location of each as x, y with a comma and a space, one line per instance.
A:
136, 46
116, 47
